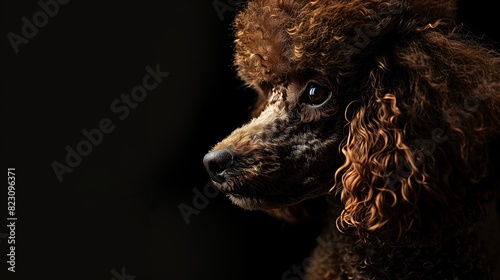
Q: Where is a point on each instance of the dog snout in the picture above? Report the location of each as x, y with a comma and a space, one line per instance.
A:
217, 162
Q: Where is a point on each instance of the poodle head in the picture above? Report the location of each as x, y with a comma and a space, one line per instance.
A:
381, 104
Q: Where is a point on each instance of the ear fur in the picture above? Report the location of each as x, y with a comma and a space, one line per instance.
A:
437, 9
420, 147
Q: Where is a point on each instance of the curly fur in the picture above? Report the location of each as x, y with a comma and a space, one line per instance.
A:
405, 150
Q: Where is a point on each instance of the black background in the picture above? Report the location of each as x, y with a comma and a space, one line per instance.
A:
118, 209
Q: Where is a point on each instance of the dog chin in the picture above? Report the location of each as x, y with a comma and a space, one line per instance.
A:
254, 203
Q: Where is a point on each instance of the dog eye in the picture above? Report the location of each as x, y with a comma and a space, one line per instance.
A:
316, 95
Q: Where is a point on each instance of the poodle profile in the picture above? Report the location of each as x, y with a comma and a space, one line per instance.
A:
388, 111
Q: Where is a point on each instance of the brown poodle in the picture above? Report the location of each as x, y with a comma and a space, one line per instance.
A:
387, 110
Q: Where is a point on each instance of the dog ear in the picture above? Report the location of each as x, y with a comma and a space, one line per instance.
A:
420, 146
434, 9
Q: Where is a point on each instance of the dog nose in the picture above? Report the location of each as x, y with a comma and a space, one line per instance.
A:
217, 162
